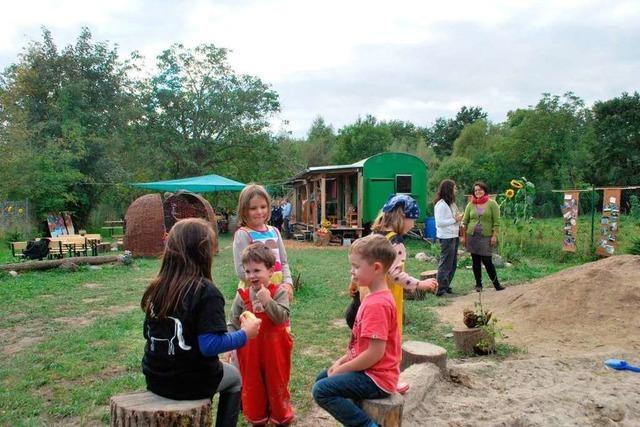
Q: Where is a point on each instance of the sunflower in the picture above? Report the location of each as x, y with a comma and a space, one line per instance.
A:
516, 184
509, 193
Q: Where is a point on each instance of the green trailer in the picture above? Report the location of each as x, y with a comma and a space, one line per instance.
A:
350, 196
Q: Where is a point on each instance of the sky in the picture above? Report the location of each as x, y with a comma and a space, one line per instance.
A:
396, 60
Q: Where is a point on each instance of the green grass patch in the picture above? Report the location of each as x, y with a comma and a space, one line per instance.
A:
72, 340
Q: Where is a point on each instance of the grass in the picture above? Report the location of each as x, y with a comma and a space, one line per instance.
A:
72, 340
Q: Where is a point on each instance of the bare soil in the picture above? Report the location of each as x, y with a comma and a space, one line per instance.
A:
568, 324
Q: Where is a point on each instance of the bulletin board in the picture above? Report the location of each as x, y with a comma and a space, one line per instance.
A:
609, 222
570, 220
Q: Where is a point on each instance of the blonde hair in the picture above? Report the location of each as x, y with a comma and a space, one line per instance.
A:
249, 192
260, 254
389, 221
374, 248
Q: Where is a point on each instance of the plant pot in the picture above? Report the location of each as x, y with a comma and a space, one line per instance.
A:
322, 239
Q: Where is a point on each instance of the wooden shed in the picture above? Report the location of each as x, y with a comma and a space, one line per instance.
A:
350, 196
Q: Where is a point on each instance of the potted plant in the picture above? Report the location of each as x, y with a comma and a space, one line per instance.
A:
323, 234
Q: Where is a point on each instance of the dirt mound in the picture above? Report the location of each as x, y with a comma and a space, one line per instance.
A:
568, 391
592, 307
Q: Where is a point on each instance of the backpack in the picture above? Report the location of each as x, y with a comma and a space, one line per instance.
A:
36, 249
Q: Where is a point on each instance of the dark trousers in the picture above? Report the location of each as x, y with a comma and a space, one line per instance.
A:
286, 228
448, 263
478, 260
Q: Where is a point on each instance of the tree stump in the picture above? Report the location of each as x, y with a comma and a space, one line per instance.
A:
420, 295
467, 340
149, 409
414, 352
386, 412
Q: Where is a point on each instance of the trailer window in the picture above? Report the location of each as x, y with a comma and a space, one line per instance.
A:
403, 184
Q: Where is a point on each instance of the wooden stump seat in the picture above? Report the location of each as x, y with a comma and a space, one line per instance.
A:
422, 352
148, 409
420, 295
468, 339
385, 412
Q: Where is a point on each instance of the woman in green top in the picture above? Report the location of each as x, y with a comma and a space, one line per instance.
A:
480, 223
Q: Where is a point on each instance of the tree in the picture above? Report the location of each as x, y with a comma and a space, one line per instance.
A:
203, 115
320, 143
61, 114
617, 151
444, 132
361, 140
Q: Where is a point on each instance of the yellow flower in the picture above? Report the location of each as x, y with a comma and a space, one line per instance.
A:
509, 193
516, 184
20, 211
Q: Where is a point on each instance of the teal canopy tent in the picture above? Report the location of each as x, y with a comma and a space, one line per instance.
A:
196, 184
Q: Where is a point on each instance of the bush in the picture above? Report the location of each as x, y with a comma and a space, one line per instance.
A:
635, 246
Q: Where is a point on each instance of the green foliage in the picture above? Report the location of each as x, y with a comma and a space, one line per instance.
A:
362, 139
634, 212
634, 249
617, 127
444, 132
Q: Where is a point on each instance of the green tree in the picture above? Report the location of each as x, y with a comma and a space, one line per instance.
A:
361, 140
444, 132
61, 114
320, 143
204, 116
617, 152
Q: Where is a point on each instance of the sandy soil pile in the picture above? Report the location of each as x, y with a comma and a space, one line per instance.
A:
592, 307
569, 323
568, 391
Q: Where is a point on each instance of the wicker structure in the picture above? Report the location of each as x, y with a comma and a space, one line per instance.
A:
144, 229
148, 218
188, 205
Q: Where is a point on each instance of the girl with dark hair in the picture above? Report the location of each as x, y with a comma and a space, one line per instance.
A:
448, 219
480, 222
185, 328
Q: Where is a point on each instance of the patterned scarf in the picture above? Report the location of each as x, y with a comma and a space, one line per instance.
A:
481, 200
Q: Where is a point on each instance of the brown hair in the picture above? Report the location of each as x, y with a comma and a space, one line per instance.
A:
258, 253
248, 193
374, 248
481, 185
186, 261
446, 192
389, 221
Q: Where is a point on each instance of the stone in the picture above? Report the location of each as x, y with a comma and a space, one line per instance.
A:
95, 267
13, 273
421, 377
498, 261
68, 266
421, 256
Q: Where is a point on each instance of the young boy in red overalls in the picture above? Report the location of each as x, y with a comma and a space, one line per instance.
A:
265, 362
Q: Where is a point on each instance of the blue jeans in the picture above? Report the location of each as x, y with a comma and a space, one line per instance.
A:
336, 394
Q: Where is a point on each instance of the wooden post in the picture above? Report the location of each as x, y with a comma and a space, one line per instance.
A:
323, 198
148, 409
385, 412
422, 352
360, 201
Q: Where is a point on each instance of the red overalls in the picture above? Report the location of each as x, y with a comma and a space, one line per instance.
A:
265, 367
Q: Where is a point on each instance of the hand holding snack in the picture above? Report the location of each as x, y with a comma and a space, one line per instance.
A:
250, 323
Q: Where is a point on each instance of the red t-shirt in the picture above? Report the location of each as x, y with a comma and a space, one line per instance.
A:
377, 319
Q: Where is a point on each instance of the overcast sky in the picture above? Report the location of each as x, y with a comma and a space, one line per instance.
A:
404, 60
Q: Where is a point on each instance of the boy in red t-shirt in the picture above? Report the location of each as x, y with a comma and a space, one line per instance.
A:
371, 367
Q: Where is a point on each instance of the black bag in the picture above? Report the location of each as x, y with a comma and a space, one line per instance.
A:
352, 310
36, 249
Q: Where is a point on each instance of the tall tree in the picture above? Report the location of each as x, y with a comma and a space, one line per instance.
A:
203, 115
320, 143
617, 151
60, 115
362, 139
444, 132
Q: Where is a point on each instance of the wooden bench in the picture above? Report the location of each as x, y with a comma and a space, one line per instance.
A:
17, 248
148, 409
386, 412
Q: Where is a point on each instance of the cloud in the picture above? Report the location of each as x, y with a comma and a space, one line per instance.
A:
407, 60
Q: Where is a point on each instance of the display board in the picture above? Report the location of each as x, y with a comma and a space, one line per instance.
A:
609, 222
570, 220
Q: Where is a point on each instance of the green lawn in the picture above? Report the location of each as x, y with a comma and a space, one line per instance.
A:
71, 340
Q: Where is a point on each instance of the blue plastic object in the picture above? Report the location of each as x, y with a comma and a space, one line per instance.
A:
621, 365
430, 228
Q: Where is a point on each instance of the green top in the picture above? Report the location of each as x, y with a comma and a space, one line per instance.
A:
489, 220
